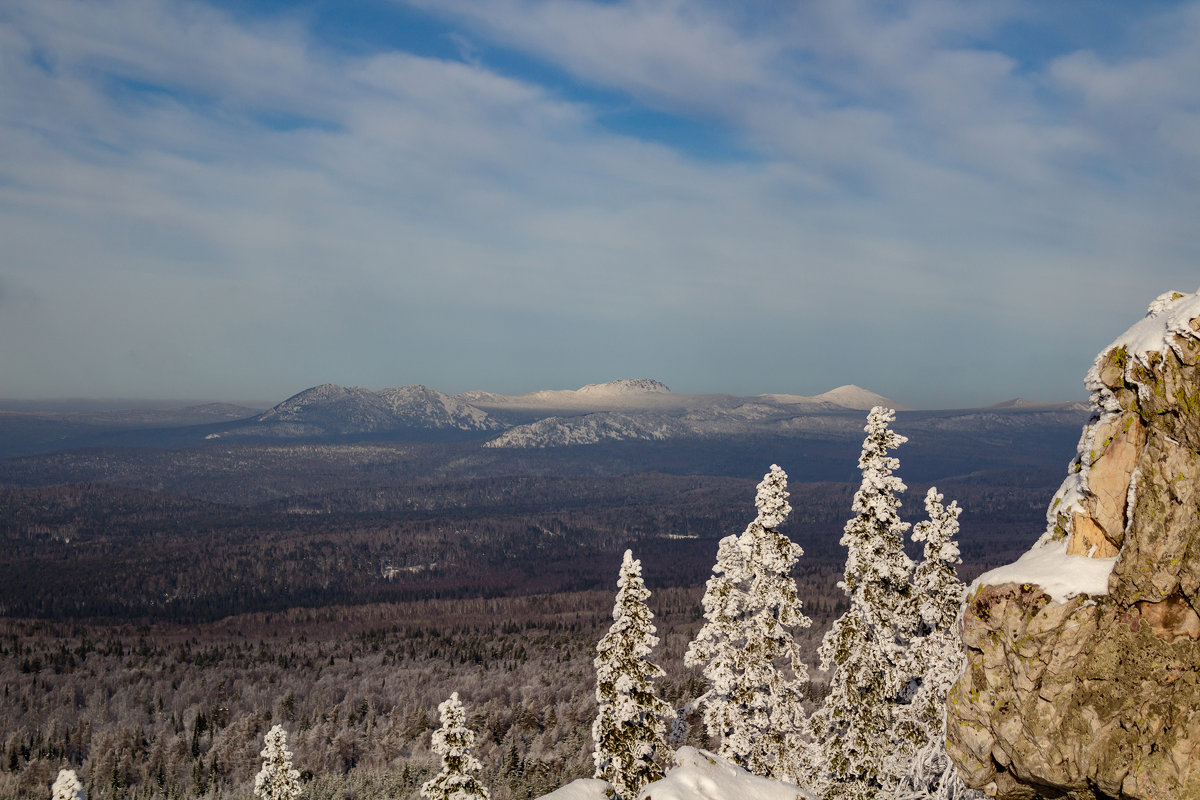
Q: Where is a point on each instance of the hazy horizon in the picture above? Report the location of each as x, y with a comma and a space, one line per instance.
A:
101, 404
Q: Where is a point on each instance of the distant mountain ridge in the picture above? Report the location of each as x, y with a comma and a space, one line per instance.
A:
642, 409
1021, 402
625, 410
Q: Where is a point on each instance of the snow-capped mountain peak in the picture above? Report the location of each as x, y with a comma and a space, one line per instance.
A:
627, 393
625, 386
858, 398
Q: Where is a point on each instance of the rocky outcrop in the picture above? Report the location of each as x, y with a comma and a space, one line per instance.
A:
1083, 675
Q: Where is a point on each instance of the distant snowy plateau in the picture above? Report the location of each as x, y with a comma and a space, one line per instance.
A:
620, 410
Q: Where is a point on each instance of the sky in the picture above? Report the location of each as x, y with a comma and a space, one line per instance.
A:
950, 203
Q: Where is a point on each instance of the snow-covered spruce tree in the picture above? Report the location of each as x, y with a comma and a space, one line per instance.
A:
453, 742
746, 648
854, 728
276, 780
67, 786
919, 765
630, 730
715, 648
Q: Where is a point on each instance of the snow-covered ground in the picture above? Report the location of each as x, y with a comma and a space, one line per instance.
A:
696, 775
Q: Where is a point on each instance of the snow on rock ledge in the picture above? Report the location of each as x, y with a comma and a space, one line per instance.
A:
1084, 655
1058, 574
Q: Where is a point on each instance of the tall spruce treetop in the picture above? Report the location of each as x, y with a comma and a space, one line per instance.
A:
630, 727
865, 647
276, 780
453, 742
746, 648
67, 786
874, 538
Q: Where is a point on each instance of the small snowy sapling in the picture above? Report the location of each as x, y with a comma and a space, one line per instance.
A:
276, 780
453, 742
67, 786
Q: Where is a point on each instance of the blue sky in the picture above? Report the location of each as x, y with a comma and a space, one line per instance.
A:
950, 203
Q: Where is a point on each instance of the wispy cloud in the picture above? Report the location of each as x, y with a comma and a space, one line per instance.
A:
672, 55
221, 205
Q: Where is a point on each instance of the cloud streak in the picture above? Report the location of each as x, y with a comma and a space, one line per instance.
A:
220, 206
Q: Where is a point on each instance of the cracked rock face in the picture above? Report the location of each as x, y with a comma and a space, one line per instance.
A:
1098, 697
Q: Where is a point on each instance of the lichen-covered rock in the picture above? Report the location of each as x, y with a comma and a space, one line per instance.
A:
1072, 691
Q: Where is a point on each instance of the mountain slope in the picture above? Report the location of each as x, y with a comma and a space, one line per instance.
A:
851, 396
768, 418
332, 410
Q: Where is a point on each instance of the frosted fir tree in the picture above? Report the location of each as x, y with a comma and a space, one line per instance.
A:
936, 588
453, 742
715, 648
630, 728
67, 786
854, 728
919, 765
276, 780
746, 648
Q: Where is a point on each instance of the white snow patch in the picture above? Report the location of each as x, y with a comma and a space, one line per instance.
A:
701, 775
582, 789
1059, 575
